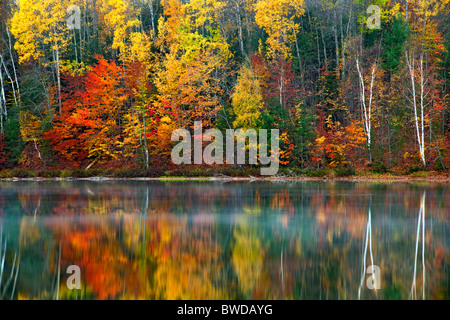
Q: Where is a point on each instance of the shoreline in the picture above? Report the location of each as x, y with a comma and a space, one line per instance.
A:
355, 179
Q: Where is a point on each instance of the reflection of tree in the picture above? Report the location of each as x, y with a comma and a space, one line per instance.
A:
30, 259
421, 221
368, 243
248, 256
187, 258
8, 280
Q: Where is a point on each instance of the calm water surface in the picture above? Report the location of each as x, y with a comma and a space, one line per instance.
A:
224, 240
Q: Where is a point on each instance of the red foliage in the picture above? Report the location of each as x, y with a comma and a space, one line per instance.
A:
88, 123
67, 129
137, 79
281, 83
260, 69
3, 156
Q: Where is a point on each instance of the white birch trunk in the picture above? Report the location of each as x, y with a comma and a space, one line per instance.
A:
3, 110
2, 62
367, 109
239, 22
58, 76
419, 128
152, 14
12, 60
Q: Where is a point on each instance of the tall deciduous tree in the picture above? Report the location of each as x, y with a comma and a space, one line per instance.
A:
40, 28
190, 74
247, 99
92, 120
277, 18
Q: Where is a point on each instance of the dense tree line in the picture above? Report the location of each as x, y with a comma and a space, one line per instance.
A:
111, 92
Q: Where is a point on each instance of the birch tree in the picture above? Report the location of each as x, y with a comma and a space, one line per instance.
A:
366, 103
13, 62
40, 26
418, 99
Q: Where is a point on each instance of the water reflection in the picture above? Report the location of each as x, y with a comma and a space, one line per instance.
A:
421, 220
215, 240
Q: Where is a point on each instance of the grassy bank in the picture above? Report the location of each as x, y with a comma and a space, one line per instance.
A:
224, 172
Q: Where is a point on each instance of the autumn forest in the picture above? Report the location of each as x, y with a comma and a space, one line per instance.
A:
102, 84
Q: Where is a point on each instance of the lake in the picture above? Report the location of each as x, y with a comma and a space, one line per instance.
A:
224, 240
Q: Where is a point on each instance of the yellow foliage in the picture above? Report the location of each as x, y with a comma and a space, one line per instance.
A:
73, 68
46, 29
247, 100
248, 258
276, 17
138, 49
120, 17
31, 125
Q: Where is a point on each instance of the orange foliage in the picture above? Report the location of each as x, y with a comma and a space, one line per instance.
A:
337, 145
89, 123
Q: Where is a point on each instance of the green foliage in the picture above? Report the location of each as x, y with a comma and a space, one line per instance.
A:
345, 171
378, 167
12, 139
318, 173
420, 174
393, 43
414, 169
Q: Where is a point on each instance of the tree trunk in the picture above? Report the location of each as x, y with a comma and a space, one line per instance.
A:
152, 14
239, 22
419, 129
367, 110
2, 62
13, 62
